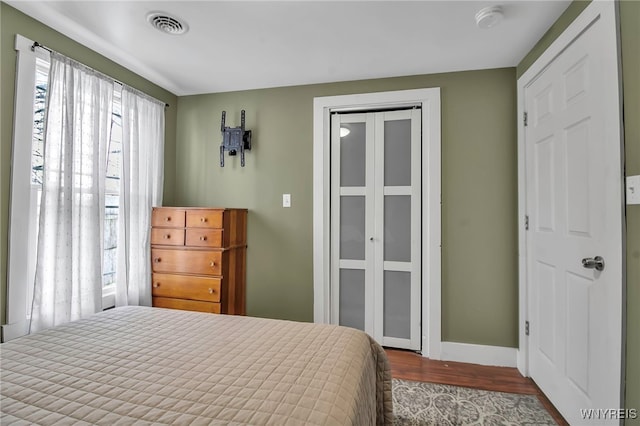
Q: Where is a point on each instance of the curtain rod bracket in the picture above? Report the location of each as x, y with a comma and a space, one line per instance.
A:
36, 44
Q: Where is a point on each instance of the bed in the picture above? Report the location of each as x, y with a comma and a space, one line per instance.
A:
160, 366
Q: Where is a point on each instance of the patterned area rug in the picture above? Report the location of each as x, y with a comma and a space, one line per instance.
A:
417, 403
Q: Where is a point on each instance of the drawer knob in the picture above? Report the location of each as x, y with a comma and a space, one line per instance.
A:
211, 291
213, 263
203, 219
156, 260
168, 219
167, 236
203, 238
156, 285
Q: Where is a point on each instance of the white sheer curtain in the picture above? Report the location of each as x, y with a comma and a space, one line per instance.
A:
68, 283
141, 186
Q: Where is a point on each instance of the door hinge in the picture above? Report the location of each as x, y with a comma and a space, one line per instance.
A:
526, 328
525, 118
526, 222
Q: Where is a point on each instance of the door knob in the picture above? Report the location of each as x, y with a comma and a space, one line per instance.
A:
596, 263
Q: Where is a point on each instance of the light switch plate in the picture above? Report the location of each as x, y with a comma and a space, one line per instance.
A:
286, 200
633, 189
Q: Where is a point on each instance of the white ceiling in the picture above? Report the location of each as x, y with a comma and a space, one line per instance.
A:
240, 45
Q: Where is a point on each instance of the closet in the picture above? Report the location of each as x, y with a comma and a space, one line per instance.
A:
376, 224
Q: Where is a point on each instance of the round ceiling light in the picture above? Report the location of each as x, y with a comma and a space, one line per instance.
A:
166, 23
489, 17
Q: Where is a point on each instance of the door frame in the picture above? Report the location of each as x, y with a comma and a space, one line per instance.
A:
607, 12
429, 101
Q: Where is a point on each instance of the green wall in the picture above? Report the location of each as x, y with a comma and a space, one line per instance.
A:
630, 40
14, 22
479, 193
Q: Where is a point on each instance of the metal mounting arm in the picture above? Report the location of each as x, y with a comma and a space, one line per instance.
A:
234, 139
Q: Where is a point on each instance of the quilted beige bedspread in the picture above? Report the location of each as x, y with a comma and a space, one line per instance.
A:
157, 366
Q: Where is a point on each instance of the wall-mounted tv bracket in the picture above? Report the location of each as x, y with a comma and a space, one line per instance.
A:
234, 139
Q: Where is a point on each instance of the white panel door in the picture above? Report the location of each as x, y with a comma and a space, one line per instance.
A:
376, 225
573, 197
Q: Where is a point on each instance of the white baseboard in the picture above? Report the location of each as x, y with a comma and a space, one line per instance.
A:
15, 330
479, 354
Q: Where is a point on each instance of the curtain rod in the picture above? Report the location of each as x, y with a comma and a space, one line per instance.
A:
36, 44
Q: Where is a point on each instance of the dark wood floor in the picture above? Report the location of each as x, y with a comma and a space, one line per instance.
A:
408, 365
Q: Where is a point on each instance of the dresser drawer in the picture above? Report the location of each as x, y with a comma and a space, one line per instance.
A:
186, 305
203, 262
203, 218
203, 237
186, 287
168, 217
167, 236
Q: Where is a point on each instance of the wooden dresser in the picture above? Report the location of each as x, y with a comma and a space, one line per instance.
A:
198, 259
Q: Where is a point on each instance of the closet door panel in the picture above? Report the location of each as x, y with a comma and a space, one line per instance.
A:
397, 304
397, 228
352, 227
353, 148
397, 153
351, 224
352, 298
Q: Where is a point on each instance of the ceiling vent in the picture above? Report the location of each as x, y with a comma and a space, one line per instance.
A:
166, 23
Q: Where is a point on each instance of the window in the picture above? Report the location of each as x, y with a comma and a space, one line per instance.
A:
35, 186
112, 184
27, 179
112, 204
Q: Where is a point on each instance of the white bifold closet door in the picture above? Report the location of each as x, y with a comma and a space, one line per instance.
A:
375, 224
